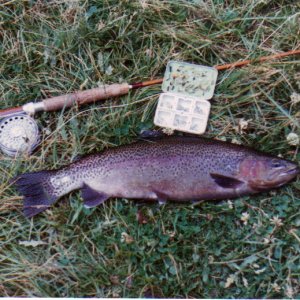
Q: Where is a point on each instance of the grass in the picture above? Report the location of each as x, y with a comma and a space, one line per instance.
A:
122, 249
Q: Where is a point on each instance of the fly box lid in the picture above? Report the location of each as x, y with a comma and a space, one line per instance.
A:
183, 106
190, 80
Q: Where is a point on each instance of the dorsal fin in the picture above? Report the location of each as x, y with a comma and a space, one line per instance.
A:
151, 135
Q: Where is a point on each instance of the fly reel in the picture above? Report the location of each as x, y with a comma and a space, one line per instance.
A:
19, 134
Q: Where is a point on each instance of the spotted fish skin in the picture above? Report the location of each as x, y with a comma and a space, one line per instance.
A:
172, 168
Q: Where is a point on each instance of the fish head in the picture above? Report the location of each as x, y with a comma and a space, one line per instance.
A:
264, 173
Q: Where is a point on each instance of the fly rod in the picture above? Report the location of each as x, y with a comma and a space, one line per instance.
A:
113, 90
19, 132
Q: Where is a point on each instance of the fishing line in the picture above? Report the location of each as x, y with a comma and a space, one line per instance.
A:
146, 99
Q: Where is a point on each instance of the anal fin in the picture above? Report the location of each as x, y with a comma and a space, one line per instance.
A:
92, 198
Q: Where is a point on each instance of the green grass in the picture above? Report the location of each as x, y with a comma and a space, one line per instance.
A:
50, 48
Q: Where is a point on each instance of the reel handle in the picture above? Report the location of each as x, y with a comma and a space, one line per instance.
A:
84, 97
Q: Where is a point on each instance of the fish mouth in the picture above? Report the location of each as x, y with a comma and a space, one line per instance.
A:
278, 181
293, 171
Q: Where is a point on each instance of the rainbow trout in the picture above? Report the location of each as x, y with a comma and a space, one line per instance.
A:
170, 168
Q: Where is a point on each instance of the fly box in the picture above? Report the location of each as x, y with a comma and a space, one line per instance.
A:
183, 104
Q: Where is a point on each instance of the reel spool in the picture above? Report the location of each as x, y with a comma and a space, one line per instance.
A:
19, 134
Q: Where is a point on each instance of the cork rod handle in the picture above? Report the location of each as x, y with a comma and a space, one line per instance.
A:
84, 97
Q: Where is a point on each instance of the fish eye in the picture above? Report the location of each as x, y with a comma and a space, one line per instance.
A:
276, 164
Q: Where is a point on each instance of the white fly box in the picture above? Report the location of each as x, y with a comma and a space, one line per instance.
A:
183, 106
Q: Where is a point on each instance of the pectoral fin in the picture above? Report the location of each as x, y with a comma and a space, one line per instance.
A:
92, 198
226, 182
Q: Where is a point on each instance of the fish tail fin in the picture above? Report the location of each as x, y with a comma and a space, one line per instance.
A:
37, 190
